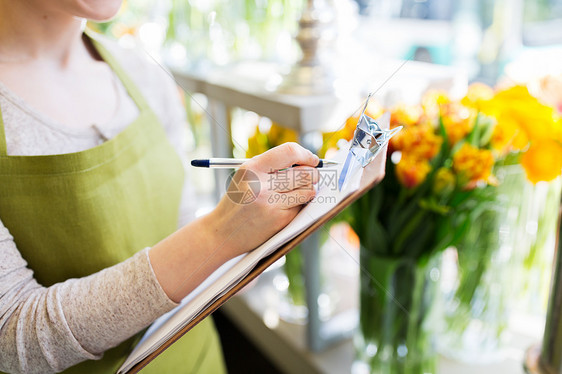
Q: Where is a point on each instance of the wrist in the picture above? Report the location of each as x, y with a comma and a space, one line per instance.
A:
214, 230
187, 257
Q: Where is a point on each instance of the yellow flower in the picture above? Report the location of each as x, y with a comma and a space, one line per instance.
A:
412, 171
257, 144
508, 136
330, 139
477, 95
434, 97
444, 181
514, 93
473, 164
432, 101
517, 106
276, 135
536, 120
543, 161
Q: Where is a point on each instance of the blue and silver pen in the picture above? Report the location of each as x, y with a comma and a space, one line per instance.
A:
229, 163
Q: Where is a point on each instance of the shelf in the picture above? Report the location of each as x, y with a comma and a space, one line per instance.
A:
245, 85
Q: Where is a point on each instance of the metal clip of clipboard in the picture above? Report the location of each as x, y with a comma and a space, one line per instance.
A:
369, 139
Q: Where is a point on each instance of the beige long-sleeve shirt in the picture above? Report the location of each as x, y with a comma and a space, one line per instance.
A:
48, 329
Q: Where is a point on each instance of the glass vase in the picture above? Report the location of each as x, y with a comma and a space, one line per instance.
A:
535, 247
396, 307
483, 277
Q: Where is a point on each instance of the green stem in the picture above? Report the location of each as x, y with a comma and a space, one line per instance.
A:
392, 314
407, 230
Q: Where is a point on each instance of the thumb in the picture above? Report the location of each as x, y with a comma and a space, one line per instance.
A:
284, 156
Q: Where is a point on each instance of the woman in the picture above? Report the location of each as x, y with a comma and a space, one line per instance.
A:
91, 178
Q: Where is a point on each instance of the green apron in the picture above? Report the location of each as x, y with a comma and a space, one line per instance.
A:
74, 214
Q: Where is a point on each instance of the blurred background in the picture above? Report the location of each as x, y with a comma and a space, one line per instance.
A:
482, 36
465, 287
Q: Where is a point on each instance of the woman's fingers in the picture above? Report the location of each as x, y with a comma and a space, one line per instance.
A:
287, 186
284, 156
266, 193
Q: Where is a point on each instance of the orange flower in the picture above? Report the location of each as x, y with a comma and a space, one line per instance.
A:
405, 115
412, 171
543, 161
457, 122
419, 141
349, 128
330, 139
473, 164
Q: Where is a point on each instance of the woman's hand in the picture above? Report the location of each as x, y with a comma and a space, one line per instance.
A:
265, 194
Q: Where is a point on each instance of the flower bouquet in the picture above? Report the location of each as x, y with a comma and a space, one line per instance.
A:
439, 180
443, 188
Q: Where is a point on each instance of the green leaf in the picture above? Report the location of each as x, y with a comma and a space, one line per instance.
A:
407, 230
473, 137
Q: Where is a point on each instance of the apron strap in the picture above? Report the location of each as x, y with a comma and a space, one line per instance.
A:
128, 83
3, 147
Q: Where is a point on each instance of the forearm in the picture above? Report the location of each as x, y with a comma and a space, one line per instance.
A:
186, 258
49, 329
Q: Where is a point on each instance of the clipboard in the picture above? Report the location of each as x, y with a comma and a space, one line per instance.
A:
372, 175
